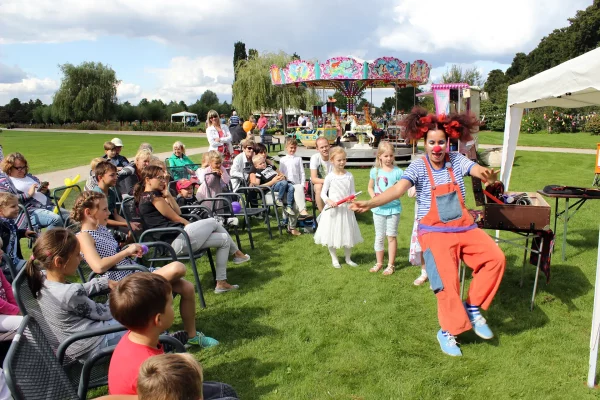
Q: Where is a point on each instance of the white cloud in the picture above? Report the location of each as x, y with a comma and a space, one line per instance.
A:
29, 88
11, 74
129, 92
474, 26
187, 78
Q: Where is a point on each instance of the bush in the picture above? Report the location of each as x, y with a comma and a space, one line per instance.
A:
492, 116
532, 123
593, 125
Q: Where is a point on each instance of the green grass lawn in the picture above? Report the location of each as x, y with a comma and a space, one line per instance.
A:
300, 329
45, 151
581, 140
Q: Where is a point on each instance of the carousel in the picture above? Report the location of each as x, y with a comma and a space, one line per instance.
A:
354, 130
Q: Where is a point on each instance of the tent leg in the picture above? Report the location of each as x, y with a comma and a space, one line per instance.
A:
595, 335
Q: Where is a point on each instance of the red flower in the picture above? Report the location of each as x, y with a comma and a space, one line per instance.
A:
453, 129
423, 126
442, 118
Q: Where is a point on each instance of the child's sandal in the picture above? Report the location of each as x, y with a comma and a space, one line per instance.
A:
376, 268
389, 270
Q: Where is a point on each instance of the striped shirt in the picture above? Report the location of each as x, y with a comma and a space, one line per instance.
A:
416, 173
234, 120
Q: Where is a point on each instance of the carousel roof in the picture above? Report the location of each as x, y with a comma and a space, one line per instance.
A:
351, 76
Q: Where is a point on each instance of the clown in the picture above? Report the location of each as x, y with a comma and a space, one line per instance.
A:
446, 230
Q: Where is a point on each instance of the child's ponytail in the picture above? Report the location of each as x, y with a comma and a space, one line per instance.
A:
58, 242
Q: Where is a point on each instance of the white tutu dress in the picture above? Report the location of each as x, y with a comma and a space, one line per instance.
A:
337, 226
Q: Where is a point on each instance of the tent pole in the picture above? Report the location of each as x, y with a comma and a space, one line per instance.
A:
414, 96
595, 326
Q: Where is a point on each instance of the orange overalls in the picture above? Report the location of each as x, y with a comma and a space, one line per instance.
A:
448, 234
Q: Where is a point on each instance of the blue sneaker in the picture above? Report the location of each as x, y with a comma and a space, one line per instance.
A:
479, 323
448, 344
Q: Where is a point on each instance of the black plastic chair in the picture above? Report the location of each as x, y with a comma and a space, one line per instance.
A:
243, 196
73, 192
33, 372
23, 210
97, 365
271, 141
220, 207
130, 212
184, 172
10, 266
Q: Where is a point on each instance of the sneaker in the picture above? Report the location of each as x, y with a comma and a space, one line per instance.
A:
337, 265
480, 326
225, 290
241, 260
278, 203
203, 341
233, 221
289, 211
448, 344
351, 263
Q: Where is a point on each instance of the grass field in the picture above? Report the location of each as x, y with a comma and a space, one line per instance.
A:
581, 140
50, 151
300, 329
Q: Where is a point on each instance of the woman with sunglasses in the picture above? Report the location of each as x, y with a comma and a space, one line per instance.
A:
16, 179
218, 135
159, 209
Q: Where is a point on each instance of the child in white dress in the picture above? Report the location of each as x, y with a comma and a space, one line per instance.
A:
337, 226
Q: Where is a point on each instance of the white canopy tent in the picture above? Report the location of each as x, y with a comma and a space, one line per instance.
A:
575, 83
184, 115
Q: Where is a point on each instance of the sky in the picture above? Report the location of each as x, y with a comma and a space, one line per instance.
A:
177, 49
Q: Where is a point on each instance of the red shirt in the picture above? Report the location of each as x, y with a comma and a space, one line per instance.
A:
125, 365
262, 122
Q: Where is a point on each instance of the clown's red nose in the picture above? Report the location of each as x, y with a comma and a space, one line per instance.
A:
437, 149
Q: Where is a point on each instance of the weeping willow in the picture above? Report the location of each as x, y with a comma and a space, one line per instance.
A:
253, 91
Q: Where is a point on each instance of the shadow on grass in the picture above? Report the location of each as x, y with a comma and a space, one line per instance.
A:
242, 375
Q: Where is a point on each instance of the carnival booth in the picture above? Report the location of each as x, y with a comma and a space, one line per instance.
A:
575, 83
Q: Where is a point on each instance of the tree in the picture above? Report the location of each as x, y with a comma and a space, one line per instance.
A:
406, 100
495, 84
518, 67
253, 91
295, 56
239, 54
209, 98
455, 74
585, 28
87, 92
252, 53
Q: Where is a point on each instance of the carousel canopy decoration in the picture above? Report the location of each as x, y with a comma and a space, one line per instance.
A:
350, 76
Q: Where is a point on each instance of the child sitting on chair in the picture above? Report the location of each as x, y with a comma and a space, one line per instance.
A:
213, 177
10, 234
143, 303
185, 192
266, 175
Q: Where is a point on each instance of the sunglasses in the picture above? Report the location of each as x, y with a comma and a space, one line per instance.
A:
160, 178
21, 168
249, 148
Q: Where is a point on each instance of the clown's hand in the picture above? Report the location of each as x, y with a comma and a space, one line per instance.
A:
490, 175
360, 206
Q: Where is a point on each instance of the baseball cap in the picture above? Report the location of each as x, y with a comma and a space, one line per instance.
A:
117, 142
186, 183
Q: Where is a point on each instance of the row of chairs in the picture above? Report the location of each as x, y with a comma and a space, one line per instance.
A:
37, 365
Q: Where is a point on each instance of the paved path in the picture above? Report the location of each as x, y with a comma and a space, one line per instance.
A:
542, 149
57, 178
118, 133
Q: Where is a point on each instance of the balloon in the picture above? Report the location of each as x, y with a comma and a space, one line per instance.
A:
237, 207
247, 126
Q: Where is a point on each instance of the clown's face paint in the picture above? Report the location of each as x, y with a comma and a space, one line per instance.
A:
435, 147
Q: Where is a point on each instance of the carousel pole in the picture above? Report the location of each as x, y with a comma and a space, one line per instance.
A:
283, 115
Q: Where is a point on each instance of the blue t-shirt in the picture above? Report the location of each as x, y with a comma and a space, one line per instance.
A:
382, 181
416, 173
